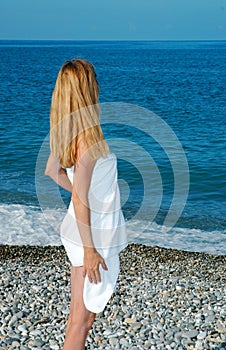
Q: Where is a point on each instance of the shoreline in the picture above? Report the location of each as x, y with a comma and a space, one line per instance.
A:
164, 299
24, 250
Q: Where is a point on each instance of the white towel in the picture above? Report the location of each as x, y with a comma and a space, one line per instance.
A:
107, 220
108, 230
95, 296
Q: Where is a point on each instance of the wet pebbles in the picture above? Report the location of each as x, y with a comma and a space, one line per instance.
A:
165, 299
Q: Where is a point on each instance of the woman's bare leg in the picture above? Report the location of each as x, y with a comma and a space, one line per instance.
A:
80, 319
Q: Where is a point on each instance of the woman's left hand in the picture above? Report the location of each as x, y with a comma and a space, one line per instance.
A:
92, 260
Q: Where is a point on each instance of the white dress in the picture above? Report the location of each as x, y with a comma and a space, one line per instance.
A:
107, 227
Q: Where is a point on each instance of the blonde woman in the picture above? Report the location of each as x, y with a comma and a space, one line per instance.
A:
93, 230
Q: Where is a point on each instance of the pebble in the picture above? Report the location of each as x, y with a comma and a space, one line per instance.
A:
130, 320
15, 344
165, 299
201, 335
38, 342
113, 341
210, 319
35, 332
22, 328
190, 334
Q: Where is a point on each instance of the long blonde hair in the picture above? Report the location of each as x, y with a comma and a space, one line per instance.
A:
75, 113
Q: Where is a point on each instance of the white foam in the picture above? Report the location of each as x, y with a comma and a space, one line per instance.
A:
21, 224
195, 240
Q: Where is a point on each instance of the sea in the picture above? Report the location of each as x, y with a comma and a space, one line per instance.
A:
163, 113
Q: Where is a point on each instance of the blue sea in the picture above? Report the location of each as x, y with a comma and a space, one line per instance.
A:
163, 112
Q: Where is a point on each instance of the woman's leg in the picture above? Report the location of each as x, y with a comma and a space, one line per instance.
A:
80, 319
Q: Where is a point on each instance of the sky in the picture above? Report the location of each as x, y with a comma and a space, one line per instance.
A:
113, 20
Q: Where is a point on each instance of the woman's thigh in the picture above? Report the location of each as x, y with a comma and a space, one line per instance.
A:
78, 311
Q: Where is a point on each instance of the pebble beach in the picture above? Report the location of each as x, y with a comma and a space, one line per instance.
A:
164, 299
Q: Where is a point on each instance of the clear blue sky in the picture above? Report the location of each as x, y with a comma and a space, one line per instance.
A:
113, 19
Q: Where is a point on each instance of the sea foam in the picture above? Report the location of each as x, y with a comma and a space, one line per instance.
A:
28, 225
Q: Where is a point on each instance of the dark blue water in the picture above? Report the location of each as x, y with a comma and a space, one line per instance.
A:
182, 82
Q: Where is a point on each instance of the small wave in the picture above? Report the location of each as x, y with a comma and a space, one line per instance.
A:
190, 239
28, 225
22, 224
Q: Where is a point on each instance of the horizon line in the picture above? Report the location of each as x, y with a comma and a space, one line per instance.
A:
112, 39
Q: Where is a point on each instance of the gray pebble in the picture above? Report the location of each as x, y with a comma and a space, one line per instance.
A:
22, 328
15, 344
210, 319
35, 332
124, 342
38, 342
178, 336
201, 335
113, 341
190, 334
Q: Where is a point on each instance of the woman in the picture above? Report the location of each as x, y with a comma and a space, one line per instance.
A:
93, 230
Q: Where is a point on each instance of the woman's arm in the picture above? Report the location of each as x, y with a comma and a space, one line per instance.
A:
81, 184
57, 173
